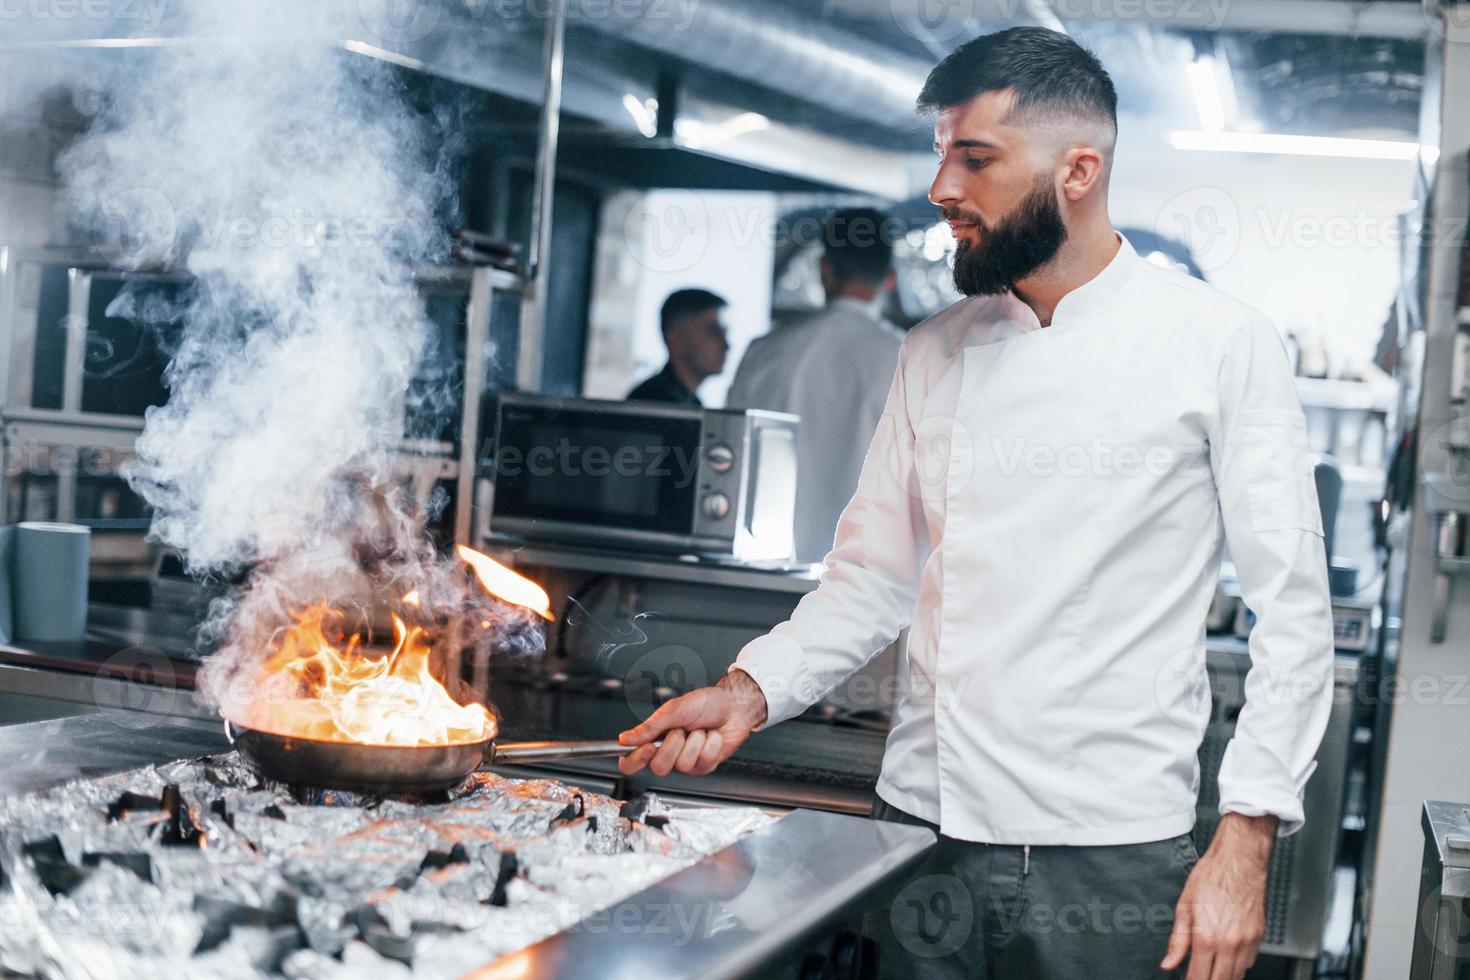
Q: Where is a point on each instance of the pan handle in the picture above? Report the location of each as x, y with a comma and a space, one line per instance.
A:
511, 752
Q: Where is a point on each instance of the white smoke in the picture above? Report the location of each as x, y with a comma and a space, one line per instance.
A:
297, 185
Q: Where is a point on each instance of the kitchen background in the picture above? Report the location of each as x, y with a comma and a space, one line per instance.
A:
1289, 151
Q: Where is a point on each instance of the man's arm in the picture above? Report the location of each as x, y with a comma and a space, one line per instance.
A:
865, 598
1268, 504
1273, 523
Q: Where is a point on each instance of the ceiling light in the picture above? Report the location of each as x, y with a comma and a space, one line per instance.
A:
1313, 146
695, 134
645, 114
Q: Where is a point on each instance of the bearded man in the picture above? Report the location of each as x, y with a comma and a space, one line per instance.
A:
1062, 456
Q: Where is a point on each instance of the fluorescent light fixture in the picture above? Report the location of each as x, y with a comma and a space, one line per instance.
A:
1311, 146
1206, 89
97, 42
697, 135
644, 114
383, 54
746, 122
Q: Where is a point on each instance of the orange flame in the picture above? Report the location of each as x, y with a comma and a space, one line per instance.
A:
311, 687
319, 682
504, 584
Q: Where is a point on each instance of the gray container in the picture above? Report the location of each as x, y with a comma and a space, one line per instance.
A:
49, 581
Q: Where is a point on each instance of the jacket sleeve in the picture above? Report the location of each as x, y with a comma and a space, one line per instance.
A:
867, 592
1268, 503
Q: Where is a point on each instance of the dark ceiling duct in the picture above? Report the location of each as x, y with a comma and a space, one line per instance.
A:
840, 55
1402, 19
778, 48
799, 50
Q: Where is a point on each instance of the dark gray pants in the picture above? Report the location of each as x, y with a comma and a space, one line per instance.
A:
1041, 913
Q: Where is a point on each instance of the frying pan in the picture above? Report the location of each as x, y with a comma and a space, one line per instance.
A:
387, 770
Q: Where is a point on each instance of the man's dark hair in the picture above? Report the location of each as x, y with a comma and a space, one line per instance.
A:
682, 302
1050, 72
859, 245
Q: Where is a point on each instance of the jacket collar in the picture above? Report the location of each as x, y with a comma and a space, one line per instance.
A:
867, 309
1086, 299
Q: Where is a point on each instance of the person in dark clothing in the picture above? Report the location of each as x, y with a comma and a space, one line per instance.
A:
695, 337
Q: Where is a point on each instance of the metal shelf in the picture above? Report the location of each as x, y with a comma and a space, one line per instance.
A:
667, 568
70, 426
114, 523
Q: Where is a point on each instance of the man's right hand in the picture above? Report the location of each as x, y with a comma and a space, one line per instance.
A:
700, 729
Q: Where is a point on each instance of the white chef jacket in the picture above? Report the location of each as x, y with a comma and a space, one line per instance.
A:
1046, 508
832, 369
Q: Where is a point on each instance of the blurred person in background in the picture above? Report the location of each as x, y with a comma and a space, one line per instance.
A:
697, 345
832, 368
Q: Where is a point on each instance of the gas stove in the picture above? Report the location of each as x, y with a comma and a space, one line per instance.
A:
198, 867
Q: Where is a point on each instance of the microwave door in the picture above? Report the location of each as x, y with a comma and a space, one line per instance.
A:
596, 476
132, 324
768, 532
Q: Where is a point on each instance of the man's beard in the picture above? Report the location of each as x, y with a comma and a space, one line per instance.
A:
1013, 248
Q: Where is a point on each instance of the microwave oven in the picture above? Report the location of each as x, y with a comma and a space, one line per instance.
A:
642, 476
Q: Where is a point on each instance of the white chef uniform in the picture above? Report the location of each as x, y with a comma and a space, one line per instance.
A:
1046, 507
832, 369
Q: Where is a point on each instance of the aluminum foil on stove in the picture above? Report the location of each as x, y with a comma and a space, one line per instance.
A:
101, 878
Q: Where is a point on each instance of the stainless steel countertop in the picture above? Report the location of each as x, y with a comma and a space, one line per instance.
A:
145, 687
751, 903
739, 909
1447, 831
43, 754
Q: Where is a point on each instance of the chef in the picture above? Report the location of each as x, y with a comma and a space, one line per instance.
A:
1062, 455
830, 368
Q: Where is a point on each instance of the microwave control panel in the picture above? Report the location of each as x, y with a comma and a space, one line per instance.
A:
717, 500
